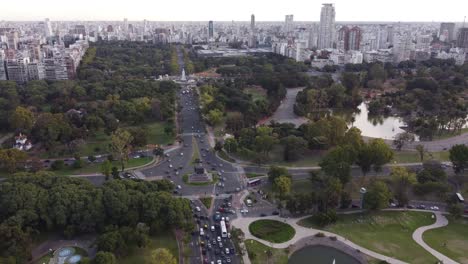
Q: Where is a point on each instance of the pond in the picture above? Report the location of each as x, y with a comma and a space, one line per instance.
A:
321, 255
379, 126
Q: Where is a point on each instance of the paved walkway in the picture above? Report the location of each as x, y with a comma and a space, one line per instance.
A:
303, 232
441, 221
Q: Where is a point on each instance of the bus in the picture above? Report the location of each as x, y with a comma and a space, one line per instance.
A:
254, 182
223, 229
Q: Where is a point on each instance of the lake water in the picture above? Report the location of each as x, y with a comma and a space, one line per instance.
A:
321, 255
377, 127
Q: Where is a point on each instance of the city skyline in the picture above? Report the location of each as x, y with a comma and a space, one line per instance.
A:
358, 10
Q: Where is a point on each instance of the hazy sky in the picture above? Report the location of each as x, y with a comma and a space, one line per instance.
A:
226, 10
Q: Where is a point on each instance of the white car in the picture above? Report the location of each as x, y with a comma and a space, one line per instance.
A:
219, 261
434, 208
170, 166
227, 251
179, 187
212, 228
218, 239
227, 218
197, 209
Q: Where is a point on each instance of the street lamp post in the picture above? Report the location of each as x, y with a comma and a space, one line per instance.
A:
362, 191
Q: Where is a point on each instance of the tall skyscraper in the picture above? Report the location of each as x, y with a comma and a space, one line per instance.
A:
382, 37
343, 38
447, 30
327, 26
462, 40
210, 30
355, 35
125, 25
288, 23
252, 23
47, 28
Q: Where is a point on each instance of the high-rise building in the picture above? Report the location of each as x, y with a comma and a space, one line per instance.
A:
13, 40
125, 25
447, 30
462, 40
47, 28
313, 36
288, 23
390, 33
343, 38
3, 74
423, 42
382, 37
252, 23
17, 69
355, 36
210, 30
327, 26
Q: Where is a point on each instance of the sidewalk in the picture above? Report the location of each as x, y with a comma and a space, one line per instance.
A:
303, 232
441, 221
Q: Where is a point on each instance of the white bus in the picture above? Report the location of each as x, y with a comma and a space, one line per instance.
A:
223, 229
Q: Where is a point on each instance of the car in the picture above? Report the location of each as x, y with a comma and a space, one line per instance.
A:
227, 251
179, 187
212, 228
205, 226
393, 205
181, 153
409, 206
229, 235
227, 219
435, 208
262, 215
421, 206
220, 245
170, 166
228, 260
229, 204
213, 242
219, 261
231, 211
237, 189
223, 218
198, 209
218, 238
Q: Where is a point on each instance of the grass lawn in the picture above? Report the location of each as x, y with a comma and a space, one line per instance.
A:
254, 175
450, 134
388, 233
206, 201
451, 240
413, 156
99, 143
156, 134
257, 93
225, 156
258, 253
90, 168
196, 152
141, 255
272, 231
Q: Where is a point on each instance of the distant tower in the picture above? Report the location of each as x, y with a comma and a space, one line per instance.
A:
327, 26
462, 41
47, 28
252, 23
382, 37
343, 38
210, 30
125, 26
449, 29
355, 35
288, 23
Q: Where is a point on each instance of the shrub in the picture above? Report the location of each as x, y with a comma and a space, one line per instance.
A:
320, 234
58, 165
